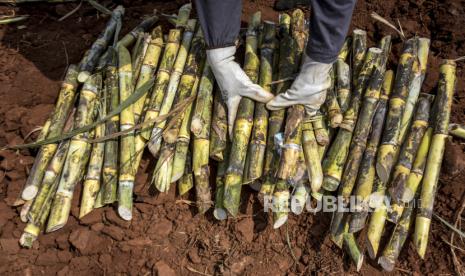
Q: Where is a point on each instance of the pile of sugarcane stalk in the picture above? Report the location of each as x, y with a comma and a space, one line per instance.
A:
375, 138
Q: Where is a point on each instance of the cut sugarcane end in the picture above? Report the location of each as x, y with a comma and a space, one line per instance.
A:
298, 206
336, 120
330, 183
360, 262
29, 193
154, 146
53, 228
30, 234
386, 263
372, 250
220, 214
176, 176
125, 213
280, 221
420, 238
83, 76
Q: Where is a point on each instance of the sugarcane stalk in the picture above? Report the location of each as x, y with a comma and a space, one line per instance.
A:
343, 84
77, 155
143, 27
186, 182
359, 50
418, 167
391, 142
192, 72
299, 198
92, 182
312, 157
220, 212
287, 66
219, 128
351, 246
345, 50
408, 153
334, 162
127, 153
320, 129
293, 129
53, 172
173, 155
331, 103
185, 61
137, 49
200, 128
457, 130
446, 89
87, 67
162, 79
108, 190
243, 124
367, 173
396, 242
148, 68
360, 135
280, 202
377, 219
63, 106
419, 73
385, 45
257, 145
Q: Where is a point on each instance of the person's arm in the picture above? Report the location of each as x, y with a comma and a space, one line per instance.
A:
221, 21
329, 23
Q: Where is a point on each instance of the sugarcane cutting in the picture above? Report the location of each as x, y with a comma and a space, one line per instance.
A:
310, 112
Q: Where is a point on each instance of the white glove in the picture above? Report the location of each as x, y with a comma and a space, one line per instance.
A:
233, 82
308, 89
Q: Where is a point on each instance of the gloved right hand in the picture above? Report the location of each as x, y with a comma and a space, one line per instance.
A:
233, 82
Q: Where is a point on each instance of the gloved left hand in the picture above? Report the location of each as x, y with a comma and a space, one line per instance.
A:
233, 82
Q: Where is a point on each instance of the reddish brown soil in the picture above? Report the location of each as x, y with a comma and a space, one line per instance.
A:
166, 235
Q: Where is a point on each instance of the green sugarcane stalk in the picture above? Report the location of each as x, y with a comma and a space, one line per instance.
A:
359, 50
280, 202
87, 67
346, 49
220, 212
127, 152
177, 78
312, 157
419, 74
143, 27
287, 66
258, 142
392, 250
457, 130
343, 84
162, 79
92, 182
108, 190
351, 246
293, 129
148, 68
391, 142
331, 103
192, 72
418, 167
334, 162
367, 173
63, 106
321, 130
385, 45
446, 89
200, 128
186, 182
219, 128
77, 155
243, 124
377, 219
407, 155
52, 173
360, 135
173, 155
